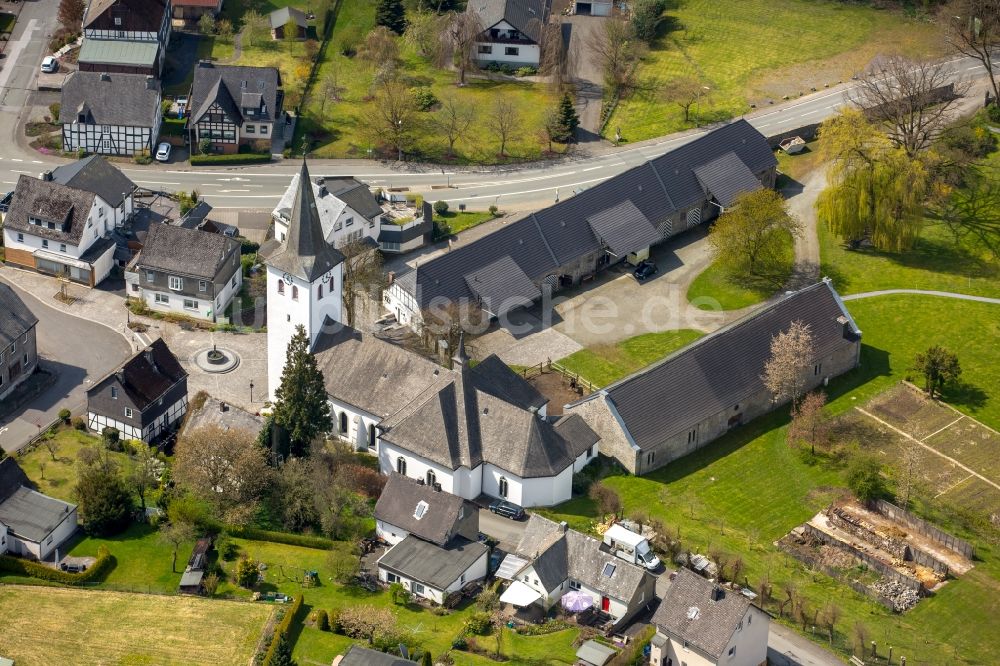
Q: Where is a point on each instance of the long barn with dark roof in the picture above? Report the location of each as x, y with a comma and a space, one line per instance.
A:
573, 239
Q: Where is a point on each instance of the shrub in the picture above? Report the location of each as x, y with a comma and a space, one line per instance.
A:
322, 620
527, 70
333, 621
605, 497
424, 99
142, 157
993, 112
64, 415
494, 210
102, 565
479, 623
254, 534
459, 643
238, 158
864, 477
365, 621
247, 572
248, 246
363, 480
441, 207
281, 631
79, 423
54, 109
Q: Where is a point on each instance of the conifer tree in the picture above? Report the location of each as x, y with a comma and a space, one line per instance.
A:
391, 14
567, 120
301, 406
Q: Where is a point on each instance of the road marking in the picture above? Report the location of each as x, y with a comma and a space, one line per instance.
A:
590, 169
224, 191
14, 159
155, 182
36, 162
944, 428
803, 115
20, 171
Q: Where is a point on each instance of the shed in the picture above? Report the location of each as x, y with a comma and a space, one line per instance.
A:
595, 654
279, 18
191, 582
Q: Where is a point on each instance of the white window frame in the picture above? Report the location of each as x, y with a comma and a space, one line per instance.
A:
161, 299
202, 285
175, 282
128, 412
191, 304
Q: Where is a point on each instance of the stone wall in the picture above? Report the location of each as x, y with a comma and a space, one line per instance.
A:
960, 546
882, 568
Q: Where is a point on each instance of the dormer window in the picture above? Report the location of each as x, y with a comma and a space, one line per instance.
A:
118, 20
243, 85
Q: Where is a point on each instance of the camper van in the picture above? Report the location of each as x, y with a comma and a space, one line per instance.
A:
631, 547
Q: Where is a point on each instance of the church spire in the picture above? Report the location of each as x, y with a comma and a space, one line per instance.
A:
461, 358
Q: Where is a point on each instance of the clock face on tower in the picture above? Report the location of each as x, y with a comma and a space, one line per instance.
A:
287, 277
328, 277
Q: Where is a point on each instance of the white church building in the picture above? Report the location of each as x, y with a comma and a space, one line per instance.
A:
470, 430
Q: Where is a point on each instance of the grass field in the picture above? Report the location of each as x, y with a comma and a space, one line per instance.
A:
715, 287
755, 50
605, 364
58, 477
89, 627
461, 220
143, 561
7, 22
749, 488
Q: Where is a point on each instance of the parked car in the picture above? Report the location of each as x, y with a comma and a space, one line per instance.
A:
644, 270
163, 152
507, 509
49, 64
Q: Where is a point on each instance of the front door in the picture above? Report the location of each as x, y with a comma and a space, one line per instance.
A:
605, 604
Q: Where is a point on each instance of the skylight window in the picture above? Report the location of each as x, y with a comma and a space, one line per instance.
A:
421, 509
693, 613
609, 569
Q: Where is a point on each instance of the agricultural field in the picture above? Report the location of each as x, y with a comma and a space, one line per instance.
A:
73, 626
758, 50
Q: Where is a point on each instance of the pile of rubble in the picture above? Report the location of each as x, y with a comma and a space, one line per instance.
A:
902, 598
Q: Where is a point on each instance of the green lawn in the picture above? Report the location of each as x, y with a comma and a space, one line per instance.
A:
460, 221
605, 364
554, 648
747, 489
342, 128
142, 559
715, 288
6, 22
58, 477
755, 50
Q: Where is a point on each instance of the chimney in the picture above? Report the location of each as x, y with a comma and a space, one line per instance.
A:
148, 353
223, 407
717, 593
105, 76
205, 63
150, 83
47, 175
563, 526
120, 373
437, 487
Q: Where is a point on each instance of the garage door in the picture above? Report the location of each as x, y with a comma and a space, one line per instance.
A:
583, 8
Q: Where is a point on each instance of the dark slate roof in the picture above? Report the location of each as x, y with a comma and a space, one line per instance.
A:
147, 375
305, 252
15, 317
496, 373
560, 234
110, 99
501, 286
355, 194
216, 414
623, 228
12, 477
713, 625
398, 502
224, 84
430, 564
279, 17
528, 16
558, 553
68, 207
726, 177
362, 656
95, 174
724, 368
136, 15
191, 252
31, 515
574, 429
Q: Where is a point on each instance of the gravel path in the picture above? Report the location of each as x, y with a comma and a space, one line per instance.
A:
923, 292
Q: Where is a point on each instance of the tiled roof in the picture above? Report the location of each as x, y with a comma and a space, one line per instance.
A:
691, 611
67, 207
147, 375
279, 17
15, 317
29, 514
501, 285
227, 83
398, 503
135, 15
12, 477
362, 656
110, 99
173, 249
430, 564
528, 16
95, 174
623, 229
726, 177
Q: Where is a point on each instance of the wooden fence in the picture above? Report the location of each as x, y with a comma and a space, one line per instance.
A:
574, 378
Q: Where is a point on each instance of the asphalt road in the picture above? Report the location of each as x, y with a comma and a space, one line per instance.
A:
79, 352
511, 188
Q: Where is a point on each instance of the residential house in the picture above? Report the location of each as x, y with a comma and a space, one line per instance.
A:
713, 385
471, 429
95, 174
189, 11
62, 230
593, 7
110, 114
18, 349
551, 560
433, 534
186, 271
512, 31
362, 656
197, 218
348, 211
615, 220
145, 399
233, 106
699, 623
280, 19
214, 413
125, 36
32, 525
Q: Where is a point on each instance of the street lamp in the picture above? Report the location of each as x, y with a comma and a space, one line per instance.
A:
251, 391
399, 140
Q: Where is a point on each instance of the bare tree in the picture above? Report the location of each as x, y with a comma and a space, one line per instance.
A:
394, 114
684, 91
451, 320
810, 422
331, 84
380, 50
909, 463
831, 615
363, 278
905, 96
52, 446
785, 370
424, 31
174, 534
556, 59
453, 119
144, 472
974, 31
460, 34
504, 121
616, 50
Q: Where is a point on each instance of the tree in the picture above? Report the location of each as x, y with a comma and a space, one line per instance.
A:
206, 24
224, 28
296, 496
646, 17
605, 497
864, 477
390, 13
903, 97
810, 422
290, 31
939, 367
874, 191
363, 277
426, 659
460, 35
450, 320
504, 120
254, 24
111, 438
750, 238
105, 504
367, 621
791, 354
555, 59
144, 472
247, 572
684, 91
52, 446
565, 120
425, 31
175, 534
974, 32
344, 565
616, 51
226, 468
830, 617
331, 84
71, 14
282, 653
300, 402
453, 119
380, 49
394, 114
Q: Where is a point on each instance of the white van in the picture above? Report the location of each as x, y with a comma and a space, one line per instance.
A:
631, 547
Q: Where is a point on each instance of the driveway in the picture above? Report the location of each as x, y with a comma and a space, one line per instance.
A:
586, 73
507, 532
78, 351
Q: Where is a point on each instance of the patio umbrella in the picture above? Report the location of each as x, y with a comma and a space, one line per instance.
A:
576, 601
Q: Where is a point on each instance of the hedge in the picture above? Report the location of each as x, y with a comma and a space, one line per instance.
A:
232, 159
255, 534
282, 630
102, 565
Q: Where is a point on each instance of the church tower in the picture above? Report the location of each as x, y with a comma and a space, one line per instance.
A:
304, 281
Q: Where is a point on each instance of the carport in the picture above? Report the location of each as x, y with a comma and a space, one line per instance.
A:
593, 8
623, 230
